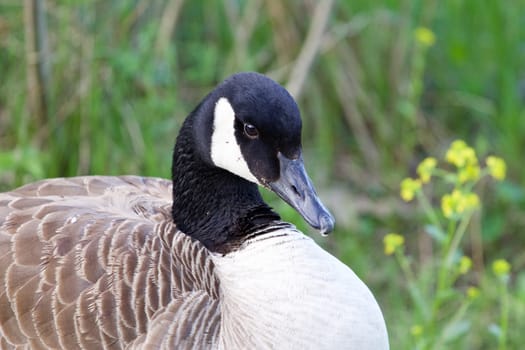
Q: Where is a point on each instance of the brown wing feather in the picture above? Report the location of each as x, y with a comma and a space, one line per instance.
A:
93, 262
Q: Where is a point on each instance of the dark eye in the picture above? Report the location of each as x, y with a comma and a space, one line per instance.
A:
251, 131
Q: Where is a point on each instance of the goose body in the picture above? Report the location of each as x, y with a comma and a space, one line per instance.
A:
199, 262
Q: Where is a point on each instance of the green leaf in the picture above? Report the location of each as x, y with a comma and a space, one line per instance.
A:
492, 227
510, 192
435, 232
455, 330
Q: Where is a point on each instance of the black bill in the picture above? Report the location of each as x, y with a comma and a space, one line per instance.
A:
295, 188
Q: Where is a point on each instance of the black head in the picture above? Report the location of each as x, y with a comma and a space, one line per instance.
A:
251, 127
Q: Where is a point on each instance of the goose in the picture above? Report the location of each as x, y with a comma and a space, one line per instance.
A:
199, 262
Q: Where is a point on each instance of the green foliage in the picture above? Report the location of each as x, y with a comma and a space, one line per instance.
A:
391, 83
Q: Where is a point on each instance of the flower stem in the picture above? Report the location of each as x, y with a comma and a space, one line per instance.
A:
415, 293
456, 239
443, 270
458, 315
429, 210
504, 319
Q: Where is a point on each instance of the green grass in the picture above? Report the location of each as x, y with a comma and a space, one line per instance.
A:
374, 104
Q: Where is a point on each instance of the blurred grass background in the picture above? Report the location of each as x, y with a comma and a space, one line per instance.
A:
101, 87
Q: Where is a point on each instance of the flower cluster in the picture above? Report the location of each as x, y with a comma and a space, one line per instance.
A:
425, 36
448, 227
501, 267
416, 330
473, 292
460, 154
465, 264
458, 202
409, 187
461, 199
425, 169
393, 242
497, 167
465, 159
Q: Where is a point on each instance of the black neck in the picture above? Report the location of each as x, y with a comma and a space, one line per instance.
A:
210, 204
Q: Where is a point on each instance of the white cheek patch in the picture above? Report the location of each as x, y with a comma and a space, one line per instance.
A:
225, 151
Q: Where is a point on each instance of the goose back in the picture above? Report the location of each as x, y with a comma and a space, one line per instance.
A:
98, 255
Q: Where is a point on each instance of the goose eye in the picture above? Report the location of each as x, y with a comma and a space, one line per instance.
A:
251, 131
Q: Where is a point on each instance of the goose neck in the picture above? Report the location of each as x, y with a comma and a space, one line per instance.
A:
211, 204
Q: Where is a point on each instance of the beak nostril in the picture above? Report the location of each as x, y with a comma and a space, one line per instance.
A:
296, 191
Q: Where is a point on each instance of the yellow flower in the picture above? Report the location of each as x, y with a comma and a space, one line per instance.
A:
448, 205
471, 201
409, 187
501, 267
497, 167
457, 203
472, 293
464, 265
469, 173
453, 154
425, 36
416, 330
425, 169
470, 156
392, 242
460, 154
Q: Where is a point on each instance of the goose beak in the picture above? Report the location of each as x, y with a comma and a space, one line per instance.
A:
295, 188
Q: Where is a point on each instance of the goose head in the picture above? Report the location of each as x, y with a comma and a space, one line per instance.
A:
250, 126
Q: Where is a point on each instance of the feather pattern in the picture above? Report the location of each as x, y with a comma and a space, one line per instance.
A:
89, 260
